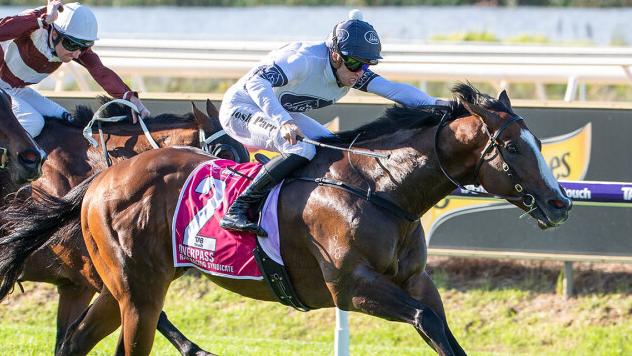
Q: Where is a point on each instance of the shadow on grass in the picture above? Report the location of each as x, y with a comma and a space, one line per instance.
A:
465, 274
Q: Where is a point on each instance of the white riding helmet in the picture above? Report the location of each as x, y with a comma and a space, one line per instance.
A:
77, 21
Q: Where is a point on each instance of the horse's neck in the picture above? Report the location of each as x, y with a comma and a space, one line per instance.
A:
175, 133
119, 135
411, 177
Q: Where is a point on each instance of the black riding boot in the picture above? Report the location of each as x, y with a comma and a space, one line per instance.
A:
273, 172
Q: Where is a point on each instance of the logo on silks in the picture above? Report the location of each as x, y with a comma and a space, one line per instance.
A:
274, 74
371, 37
302, 103
364, 80
567, 155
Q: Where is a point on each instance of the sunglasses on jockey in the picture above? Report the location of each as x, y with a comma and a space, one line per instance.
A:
72, 44
354, 64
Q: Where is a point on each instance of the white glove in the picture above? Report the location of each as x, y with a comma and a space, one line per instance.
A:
144, 113
53, 8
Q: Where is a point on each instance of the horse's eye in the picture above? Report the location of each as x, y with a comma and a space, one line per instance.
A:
511, 148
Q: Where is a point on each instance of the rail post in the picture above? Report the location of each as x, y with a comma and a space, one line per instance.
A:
341, 338
567, 283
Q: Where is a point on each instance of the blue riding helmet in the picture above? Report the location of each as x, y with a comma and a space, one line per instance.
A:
357, 39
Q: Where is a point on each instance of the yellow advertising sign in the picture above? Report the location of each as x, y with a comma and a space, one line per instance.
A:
568, 157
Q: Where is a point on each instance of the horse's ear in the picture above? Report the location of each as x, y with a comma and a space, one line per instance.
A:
476, 110
504, 98
196, 111
211, 110
202, 119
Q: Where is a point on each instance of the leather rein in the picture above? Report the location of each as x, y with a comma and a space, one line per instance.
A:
494, 144
206, 144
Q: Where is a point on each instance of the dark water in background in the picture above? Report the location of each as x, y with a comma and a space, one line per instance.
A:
394, 24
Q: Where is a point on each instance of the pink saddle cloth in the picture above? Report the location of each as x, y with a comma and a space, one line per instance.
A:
198, 240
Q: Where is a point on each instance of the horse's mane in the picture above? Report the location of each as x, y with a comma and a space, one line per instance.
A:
398, 117
83, 114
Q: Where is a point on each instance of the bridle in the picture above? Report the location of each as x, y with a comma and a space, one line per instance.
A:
206, 144
493, 144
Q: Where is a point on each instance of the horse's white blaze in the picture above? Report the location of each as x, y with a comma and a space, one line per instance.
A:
545, 171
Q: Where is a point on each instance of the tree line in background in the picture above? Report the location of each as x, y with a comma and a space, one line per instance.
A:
563, 3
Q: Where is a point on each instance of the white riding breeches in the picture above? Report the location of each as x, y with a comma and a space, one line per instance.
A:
30, 107
247, 123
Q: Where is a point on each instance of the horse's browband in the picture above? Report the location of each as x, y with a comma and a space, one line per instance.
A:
364, 194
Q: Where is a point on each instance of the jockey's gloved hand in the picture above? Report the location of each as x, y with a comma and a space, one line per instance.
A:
144, 113
290, 131
52, 10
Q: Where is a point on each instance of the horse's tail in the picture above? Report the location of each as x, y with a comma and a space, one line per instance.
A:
30, 225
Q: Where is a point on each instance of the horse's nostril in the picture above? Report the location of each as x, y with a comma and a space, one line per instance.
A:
29, 157
559, 204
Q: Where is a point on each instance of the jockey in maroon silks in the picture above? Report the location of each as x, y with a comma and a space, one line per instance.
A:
35, 43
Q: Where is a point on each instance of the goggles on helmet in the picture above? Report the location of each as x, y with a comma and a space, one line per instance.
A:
72, 44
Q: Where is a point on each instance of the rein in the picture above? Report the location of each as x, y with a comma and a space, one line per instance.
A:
205, 143
364, 194
87, 131
493, 143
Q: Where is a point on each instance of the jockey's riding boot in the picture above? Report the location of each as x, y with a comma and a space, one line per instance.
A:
236, 218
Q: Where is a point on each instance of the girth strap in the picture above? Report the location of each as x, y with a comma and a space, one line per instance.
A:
278, 280
364, 194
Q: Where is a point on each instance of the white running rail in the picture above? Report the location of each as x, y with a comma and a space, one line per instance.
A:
499, 65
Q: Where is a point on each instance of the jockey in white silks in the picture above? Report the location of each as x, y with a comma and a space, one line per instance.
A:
265, 108
35, 43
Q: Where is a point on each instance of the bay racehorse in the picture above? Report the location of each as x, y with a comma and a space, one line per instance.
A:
70, 161
361, 249
20, 158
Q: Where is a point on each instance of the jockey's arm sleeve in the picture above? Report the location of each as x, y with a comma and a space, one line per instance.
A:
104, 76
14, 26
278, 74
404, 94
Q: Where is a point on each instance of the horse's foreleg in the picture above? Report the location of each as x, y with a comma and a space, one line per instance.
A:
73, 300
374, 294
422, 288
100, 319
177, 339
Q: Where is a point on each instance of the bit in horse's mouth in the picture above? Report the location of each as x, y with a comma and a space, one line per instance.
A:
544, 222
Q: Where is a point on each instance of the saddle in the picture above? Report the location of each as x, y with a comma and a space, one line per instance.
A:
199, 241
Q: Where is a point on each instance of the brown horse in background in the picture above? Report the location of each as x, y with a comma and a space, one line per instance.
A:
21, 158
71, 160
339, 248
